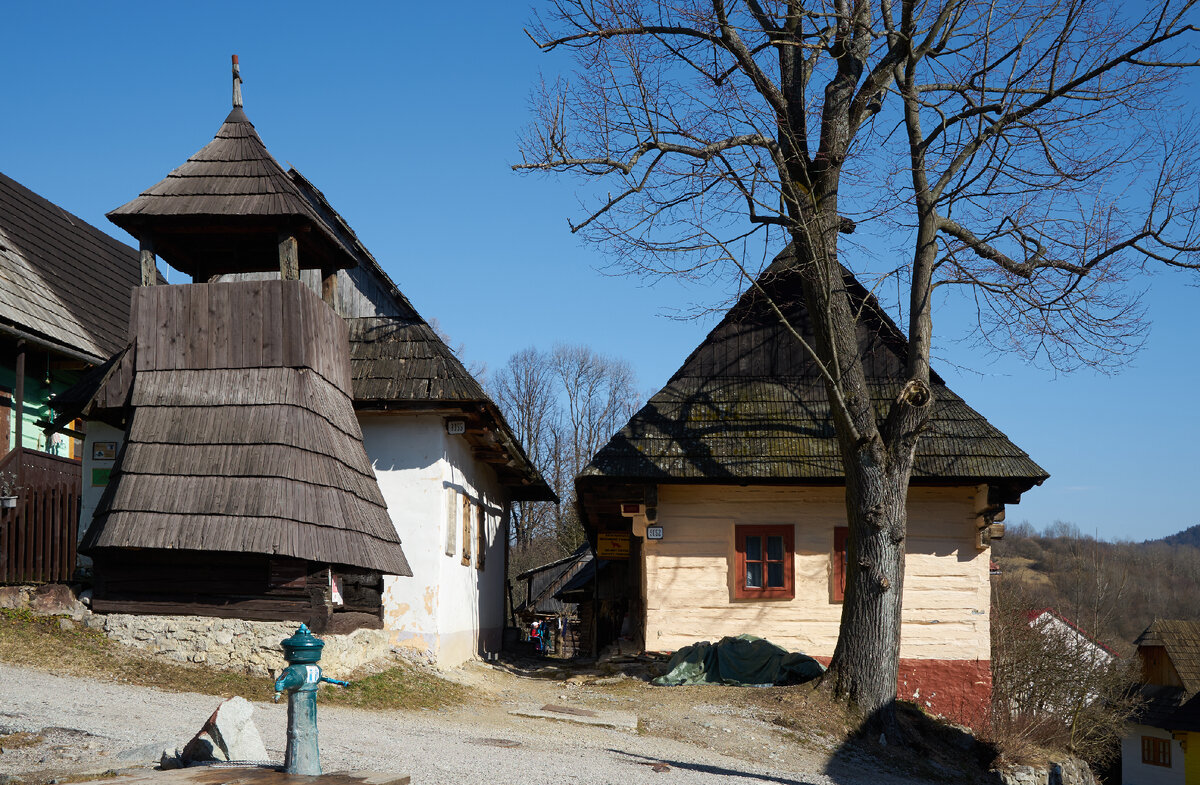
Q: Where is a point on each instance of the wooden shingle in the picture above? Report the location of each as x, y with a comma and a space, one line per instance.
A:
249, 455
749, 406
60, 277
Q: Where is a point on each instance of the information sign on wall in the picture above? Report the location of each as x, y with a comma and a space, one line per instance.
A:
612, 545
654, 532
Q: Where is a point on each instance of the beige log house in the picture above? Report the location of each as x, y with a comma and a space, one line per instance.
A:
727, 491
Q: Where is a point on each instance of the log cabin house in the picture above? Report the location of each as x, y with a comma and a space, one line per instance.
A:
64, 308
438, 453
719, 509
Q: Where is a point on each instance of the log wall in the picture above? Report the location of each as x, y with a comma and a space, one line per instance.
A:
688, 583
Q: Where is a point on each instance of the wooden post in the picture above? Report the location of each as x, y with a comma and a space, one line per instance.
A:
237, 83
20, 405
329, 286
149, 267
289, 257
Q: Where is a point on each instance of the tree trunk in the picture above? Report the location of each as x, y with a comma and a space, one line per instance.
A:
865, 663
877, 460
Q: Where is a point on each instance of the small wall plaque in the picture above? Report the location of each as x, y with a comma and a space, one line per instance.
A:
612, 545
104, 451
456, 427
654, 532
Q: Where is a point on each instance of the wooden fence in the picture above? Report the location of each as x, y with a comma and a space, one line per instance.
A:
39, 535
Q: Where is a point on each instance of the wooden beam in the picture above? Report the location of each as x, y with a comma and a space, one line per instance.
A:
491, 456
19, 403
289, 257
329, 286
149, 267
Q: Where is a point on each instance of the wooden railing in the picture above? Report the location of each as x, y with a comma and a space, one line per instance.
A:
38, 536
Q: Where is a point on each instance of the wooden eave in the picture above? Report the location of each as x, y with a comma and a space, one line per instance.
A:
488, 438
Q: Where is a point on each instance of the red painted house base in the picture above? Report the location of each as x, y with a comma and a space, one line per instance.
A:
959, 690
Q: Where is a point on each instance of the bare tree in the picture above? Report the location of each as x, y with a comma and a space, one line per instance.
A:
1022, 145
599, 395
524, 391
564, 405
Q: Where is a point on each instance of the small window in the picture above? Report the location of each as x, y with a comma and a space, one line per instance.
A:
837, 573
765, 563
1156, 752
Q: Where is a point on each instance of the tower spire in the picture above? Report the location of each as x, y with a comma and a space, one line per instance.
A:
237, 84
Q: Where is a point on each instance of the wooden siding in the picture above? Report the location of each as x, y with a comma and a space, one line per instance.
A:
259, 324
234, 585
38, 536
688, 587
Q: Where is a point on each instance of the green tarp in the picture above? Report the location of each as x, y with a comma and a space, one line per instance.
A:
744, 661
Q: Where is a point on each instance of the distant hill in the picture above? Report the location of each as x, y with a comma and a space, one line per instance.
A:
1111, 590
1189, 536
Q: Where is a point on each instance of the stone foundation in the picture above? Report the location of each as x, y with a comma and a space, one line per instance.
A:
1070, 771
238, 644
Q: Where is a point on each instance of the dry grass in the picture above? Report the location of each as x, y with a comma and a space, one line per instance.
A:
42, 642
15, 741
402, 686
807, 708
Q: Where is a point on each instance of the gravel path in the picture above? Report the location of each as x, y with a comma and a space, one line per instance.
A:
455, 747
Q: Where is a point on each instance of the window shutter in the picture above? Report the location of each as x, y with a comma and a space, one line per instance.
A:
451, 520
466, 522
840, 535
481, 535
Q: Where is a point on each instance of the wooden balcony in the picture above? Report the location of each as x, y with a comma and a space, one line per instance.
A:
38, 537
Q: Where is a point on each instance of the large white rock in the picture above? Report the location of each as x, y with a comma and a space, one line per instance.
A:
229, 734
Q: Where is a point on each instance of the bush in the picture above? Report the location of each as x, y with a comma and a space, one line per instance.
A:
1051, 692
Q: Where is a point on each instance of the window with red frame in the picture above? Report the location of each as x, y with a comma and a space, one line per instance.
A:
765, 563
1156, 752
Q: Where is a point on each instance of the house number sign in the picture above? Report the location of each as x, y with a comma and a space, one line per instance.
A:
654, 532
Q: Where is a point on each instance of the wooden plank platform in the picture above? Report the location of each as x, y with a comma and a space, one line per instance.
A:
212, 775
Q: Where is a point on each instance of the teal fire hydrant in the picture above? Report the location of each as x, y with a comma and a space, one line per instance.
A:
300, 679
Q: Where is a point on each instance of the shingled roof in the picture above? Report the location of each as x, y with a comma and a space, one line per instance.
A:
395, 358
399, 362
748, 406
61, 278
232, 183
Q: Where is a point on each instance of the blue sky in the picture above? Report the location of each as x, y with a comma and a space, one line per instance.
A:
406, 116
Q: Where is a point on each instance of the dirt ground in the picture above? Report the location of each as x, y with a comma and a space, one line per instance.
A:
793, 727
66, 728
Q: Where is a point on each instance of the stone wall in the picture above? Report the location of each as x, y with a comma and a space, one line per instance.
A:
1071, 771
235, 644
239, 644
